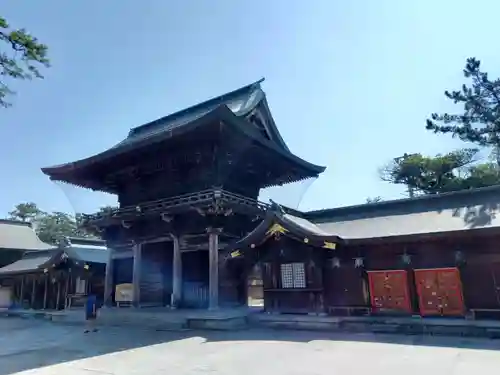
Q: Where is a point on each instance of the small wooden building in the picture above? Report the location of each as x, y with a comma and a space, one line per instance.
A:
58, 277
430, 256
292, 255
16, 238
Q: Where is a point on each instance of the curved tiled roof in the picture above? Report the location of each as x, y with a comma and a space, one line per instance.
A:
33, 262
231, 107
17, 235
80, 252
465, 210
277, 221
240, 102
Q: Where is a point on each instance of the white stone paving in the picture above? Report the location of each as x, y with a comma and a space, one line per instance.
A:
42, 348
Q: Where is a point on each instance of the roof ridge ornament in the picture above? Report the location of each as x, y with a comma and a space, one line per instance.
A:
276, 207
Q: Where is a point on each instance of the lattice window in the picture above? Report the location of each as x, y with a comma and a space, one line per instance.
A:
80, 286
299, 275
293, 275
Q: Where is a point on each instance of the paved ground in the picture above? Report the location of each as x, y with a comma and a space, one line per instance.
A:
41, 348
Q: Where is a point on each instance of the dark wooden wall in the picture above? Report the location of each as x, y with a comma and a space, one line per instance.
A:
474, 254
340, 283
195, 279
274, 253
156, 273
122, 270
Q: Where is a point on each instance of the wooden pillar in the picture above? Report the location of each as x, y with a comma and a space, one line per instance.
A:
176, 273
21, 292
45, 291
33, 290
136, 275
66, 289
213, 261
58, 296
108, 280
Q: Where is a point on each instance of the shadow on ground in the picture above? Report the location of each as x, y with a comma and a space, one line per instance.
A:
29, 344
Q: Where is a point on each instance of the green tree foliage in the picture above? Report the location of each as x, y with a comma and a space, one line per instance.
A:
453, 171
25, 212
21, 57
52, 226
479, 120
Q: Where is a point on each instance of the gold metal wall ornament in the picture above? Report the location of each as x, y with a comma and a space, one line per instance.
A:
276, 230
329, 245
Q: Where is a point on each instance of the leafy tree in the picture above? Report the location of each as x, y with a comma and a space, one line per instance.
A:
442, 173
479, 121
26, 212
481, 175
21, 58
51, 227
373, 200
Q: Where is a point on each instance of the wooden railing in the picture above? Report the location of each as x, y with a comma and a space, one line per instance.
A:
205, 197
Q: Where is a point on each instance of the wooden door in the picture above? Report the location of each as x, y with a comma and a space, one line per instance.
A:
450, 287
440, 292
389, 290
428, 292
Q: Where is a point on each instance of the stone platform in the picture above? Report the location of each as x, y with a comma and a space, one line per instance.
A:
414, 325
165, 319
147, 318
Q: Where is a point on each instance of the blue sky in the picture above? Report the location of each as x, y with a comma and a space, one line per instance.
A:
350, 83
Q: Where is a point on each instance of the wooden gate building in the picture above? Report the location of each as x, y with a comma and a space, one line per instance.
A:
190, 228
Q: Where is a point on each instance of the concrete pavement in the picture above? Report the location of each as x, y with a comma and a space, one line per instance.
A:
43, 348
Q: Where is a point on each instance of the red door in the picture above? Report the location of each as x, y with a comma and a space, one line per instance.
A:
439, 292
389, 290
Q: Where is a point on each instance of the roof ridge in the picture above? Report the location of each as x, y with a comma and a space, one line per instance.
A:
213, 100
16, 222
87, 240
388, 203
